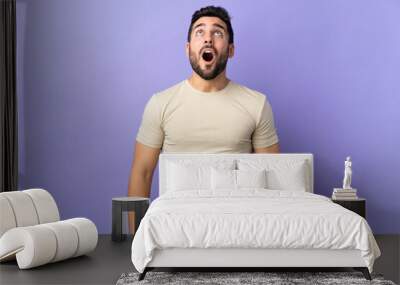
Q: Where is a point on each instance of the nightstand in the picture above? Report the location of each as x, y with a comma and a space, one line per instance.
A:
357, 205
124, 204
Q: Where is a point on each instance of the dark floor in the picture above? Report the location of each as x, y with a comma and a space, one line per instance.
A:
110, 260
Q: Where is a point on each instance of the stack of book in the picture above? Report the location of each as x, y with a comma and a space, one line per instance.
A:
344, 194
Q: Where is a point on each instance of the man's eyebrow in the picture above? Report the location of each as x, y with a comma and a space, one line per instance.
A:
219, 26
198, 25
215, 25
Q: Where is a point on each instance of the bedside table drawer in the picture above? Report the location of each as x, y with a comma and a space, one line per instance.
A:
357, 206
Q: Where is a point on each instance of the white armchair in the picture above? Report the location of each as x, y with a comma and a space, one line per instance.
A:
31, 230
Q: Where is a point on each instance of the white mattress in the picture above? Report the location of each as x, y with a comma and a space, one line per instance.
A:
250, 218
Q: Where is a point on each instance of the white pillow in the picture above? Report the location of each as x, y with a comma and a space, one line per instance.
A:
281, 174
251, 178
236, 179
186, 174
223, 179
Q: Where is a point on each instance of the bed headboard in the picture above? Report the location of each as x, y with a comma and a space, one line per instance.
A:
271, 158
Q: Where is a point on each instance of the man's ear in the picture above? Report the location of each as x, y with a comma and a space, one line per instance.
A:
231, 50
187, 49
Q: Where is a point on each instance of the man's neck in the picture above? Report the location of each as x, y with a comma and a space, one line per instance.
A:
216, 84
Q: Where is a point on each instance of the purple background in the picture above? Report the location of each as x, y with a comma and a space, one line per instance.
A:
86, 69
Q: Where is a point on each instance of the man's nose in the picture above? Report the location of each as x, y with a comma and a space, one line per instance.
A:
208, 38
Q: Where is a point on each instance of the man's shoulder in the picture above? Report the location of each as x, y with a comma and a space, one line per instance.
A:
170, 91
161, 98
249, 93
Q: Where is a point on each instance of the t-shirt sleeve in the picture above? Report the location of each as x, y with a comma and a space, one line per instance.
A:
150, 132
265, 133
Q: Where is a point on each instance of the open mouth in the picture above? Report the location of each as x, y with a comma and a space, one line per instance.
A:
208, 56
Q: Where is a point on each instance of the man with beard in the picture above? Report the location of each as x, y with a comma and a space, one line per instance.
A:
207, 113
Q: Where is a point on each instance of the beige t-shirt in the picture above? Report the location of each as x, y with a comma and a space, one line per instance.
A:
184, 119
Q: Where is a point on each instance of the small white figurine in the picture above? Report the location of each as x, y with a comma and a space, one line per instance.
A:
347, 173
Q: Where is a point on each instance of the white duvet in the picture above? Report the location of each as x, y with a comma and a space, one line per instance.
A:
251, 218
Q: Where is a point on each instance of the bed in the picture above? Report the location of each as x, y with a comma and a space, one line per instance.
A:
247, 210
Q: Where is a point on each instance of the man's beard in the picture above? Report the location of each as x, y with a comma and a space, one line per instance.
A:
220, 65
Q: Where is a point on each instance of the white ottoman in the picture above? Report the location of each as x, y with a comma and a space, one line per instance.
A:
31, 232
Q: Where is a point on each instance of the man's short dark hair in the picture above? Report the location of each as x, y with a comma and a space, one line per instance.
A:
212, 11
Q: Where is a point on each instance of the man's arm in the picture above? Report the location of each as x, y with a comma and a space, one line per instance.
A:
270, 149
142, 170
